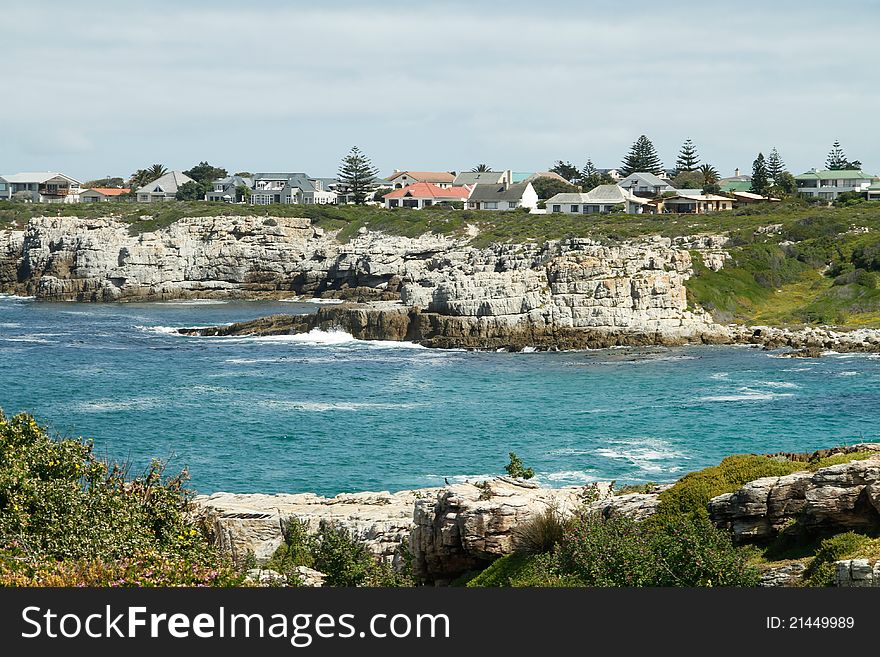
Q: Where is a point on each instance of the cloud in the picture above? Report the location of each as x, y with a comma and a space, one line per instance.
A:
439, 86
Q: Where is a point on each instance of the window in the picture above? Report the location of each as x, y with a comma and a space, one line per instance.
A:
557, 208
574, 208
593, 209
511, 205
427, 202
491, 205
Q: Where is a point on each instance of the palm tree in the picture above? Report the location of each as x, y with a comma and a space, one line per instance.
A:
710, 174
481, 168
157, 171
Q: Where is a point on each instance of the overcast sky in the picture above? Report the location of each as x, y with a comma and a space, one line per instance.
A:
93, 88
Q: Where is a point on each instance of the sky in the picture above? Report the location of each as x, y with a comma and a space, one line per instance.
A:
93, 89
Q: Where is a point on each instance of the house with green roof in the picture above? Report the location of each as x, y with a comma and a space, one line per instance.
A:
829, 184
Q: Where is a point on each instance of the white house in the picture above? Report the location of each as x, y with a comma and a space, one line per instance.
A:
289, 188
829, 185
226, 190
422, 195
602, 199
503, 197
646, 184
400, 179
697, 203
874, 191
41, 187
164, 188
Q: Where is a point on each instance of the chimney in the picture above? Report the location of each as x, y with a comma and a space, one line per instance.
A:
736, 172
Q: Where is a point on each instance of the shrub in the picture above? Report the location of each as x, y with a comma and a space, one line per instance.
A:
857, 277
612, 552
520, 570
67, 518
515, 468
540, 533
693, 552
692, 493
821, 569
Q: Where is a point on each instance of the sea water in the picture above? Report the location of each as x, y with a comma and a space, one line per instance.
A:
326, 413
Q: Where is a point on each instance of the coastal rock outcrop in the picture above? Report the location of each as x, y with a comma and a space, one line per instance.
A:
836, 498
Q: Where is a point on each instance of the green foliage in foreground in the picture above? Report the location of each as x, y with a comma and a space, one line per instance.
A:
336, 553
842, 546
618, 551
516, 469
68, 518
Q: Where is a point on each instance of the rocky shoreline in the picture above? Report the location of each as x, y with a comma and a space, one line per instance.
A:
445, 532
436, 290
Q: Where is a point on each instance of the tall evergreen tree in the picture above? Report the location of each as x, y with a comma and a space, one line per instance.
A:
357, 174
836, 160
591, 177
642, 157
760, 181
688, 160
775, 166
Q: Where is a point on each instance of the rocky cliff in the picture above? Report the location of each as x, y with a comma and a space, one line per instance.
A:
545, 295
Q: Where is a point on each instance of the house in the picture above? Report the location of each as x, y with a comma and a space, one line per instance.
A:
97, 194
602, 199
400, 179
614, 174
696, 203
226, 190
42, 187
483, 178
422, 195
646, 185
829, 185
736, 183
164, 188
289, 188
502, 196
747, 198
874, 191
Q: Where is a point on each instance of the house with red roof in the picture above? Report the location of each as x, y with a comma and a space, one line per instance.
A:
422, 195
101, 194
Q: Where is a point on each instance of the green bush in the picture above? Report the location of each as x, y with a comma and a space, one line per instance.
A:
65, 514
821, 569
520, 570
516, 469
691, 493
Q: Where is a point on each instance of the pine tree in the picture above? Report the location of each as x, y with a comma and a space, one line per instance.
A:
760, 183
642, 157
775, 166
356, 174
688, 160
836, 158
590, 177
565, 169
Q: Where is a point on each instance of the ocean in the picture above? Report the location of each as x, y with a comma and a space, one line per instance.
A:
325, 413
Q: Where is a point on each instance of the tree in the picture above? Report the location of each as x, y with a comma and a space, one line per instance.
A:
760, 182
242, 193
710, 174
357, 174
591, 177
566, 169
775, 165
142, 177
836, 159
191, 191
642, 157
481, 168
546, 187
688, 180
244, 174
515, 468
206, 174
784, 184
688, 160
111, 182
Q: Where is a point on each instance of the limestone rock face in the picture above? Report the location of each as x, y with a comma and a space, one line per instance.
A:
837, 498
637, 506
787, 575
254, 523
857, 573
465, 526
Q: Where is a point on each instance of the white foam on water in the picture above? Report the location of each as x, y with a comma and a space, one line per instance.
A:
323, 407
162, 330
798, 369
110, 405
719, 376
193, 302
643, 454
848, 373
9, 325
746, 395
779, 384
30, 339
567, 476
15, 297
528, 350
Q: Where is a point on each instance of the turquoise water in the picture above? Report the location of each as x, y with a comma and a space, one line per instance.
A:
326, 413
